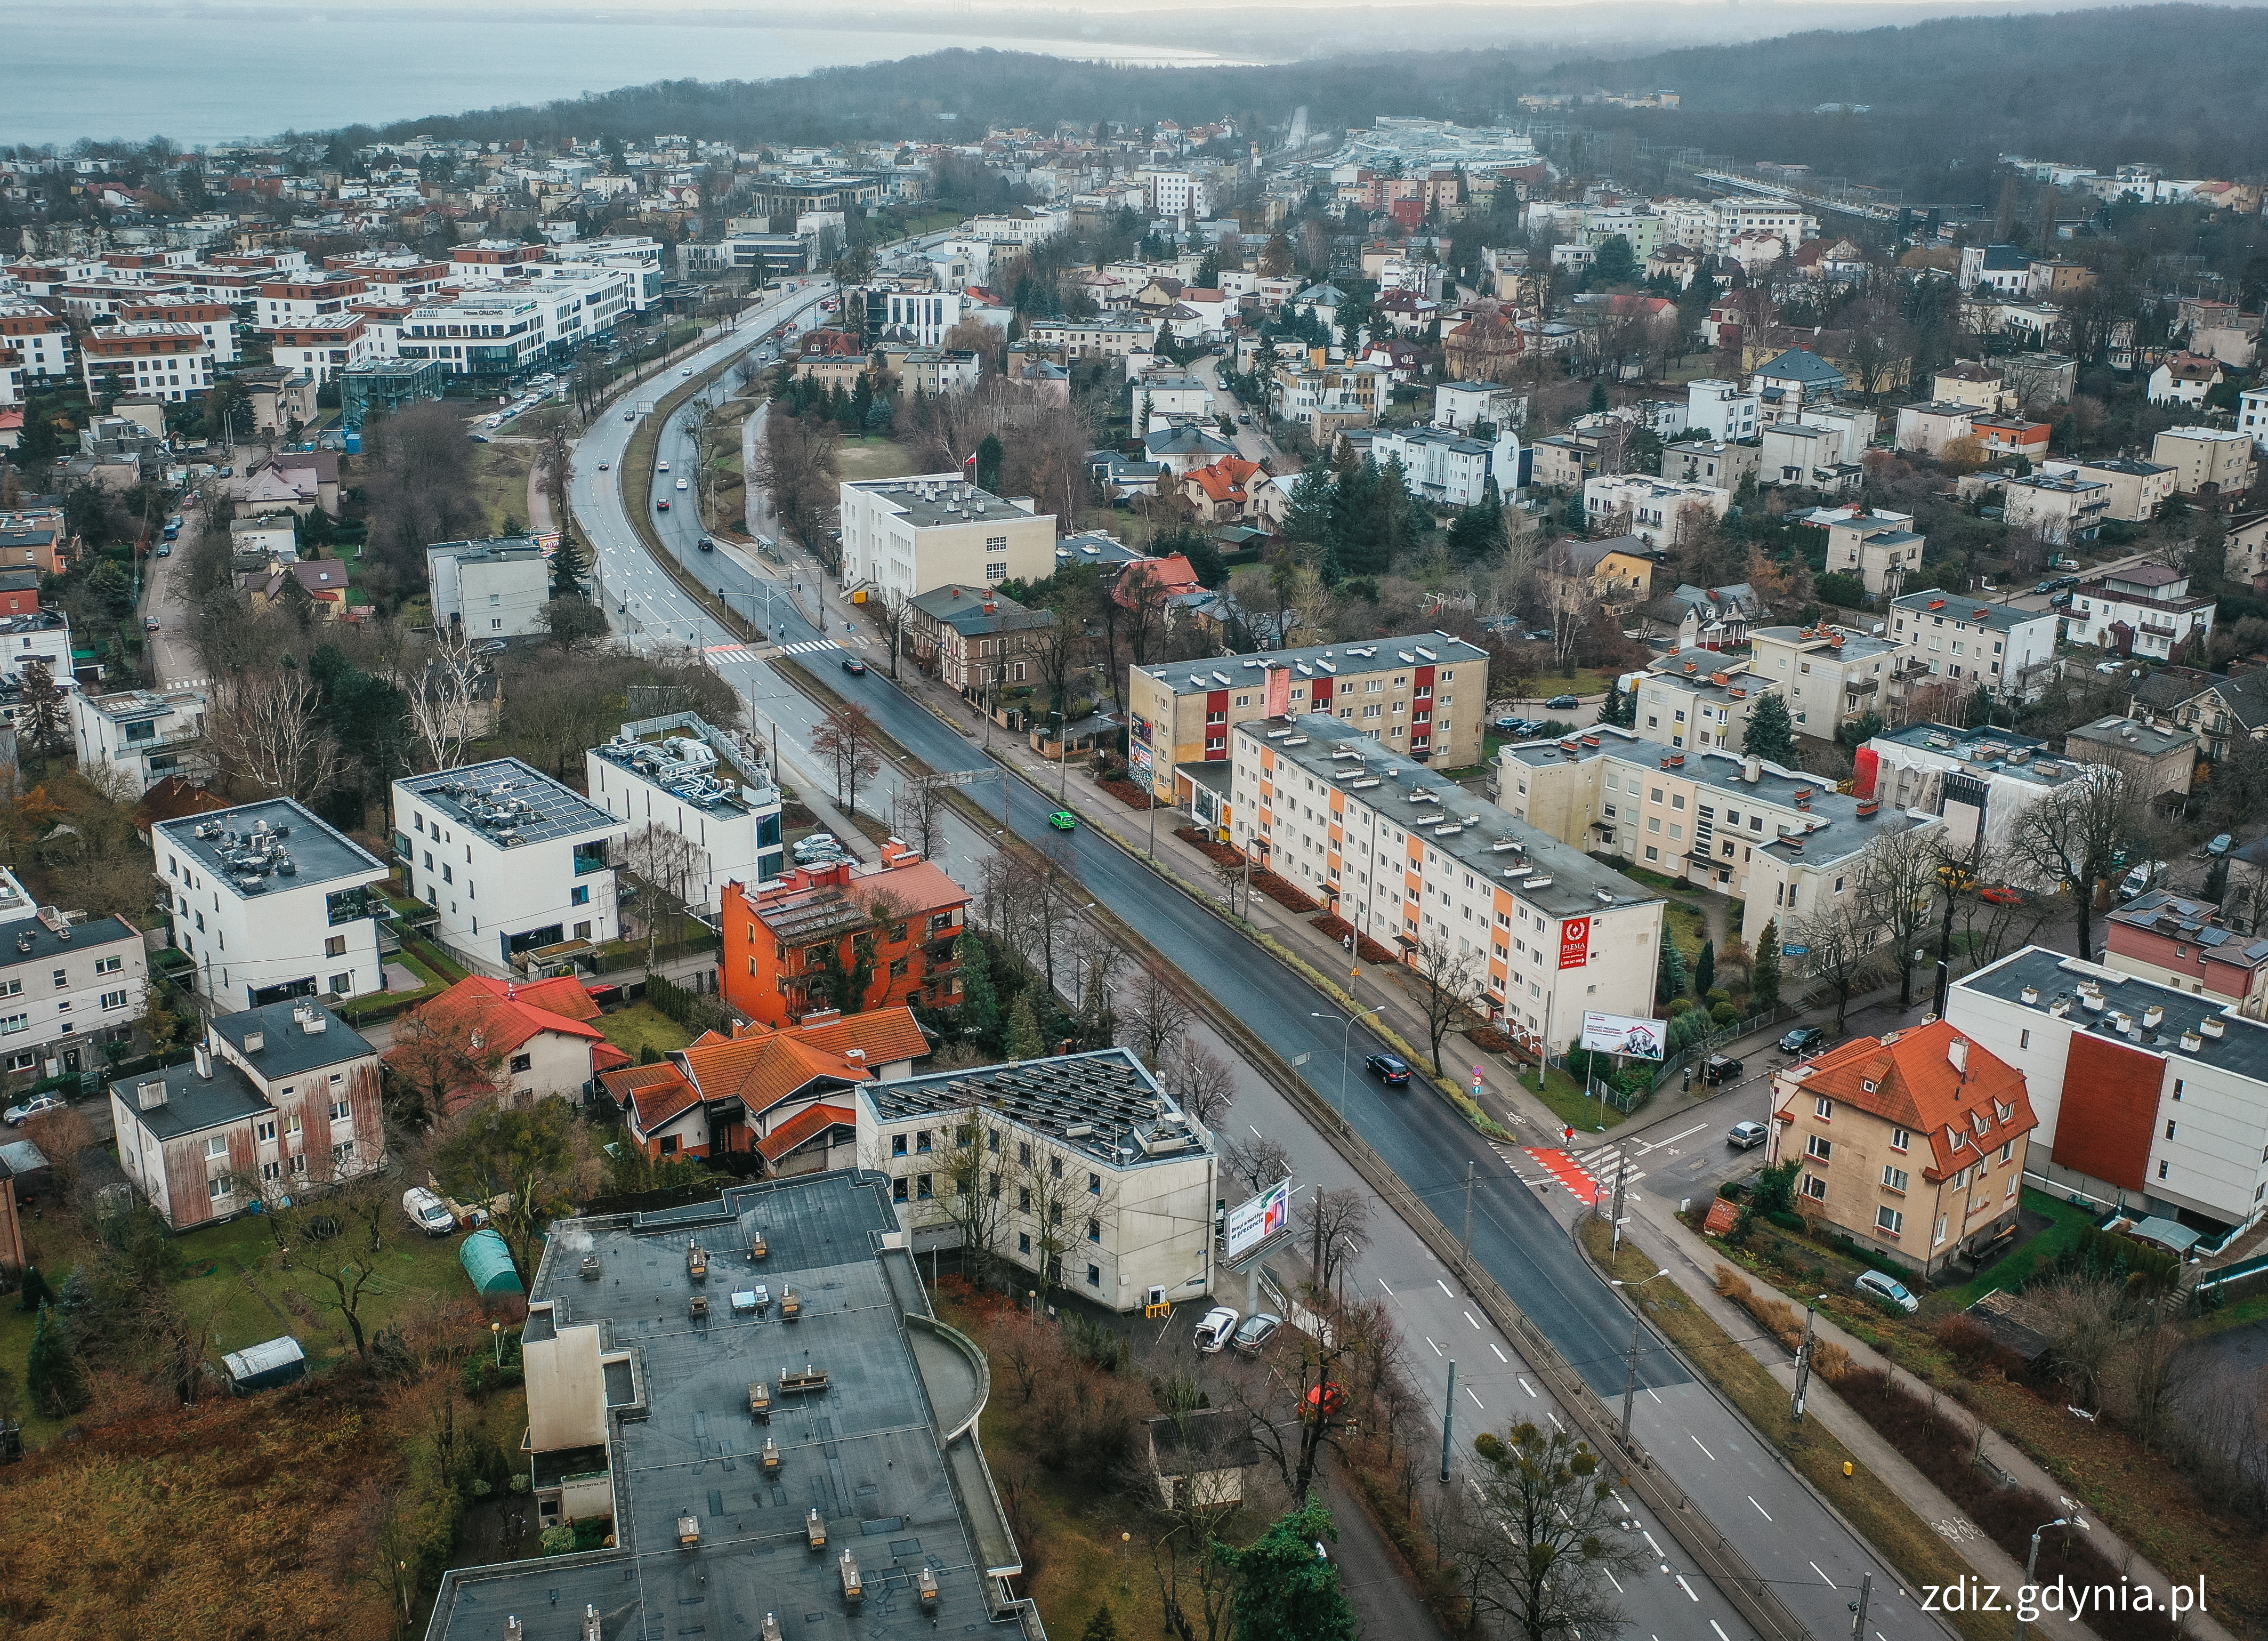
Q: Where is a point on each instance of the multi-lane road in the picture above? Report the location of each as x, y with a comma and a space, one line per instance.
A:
1519, 1233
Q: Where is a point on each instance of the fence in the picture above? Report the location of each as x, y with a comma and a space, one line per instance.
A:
2226, 1287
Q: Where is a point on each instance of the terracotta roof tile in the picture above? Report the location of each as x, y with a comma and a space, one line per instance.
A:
1909, 1078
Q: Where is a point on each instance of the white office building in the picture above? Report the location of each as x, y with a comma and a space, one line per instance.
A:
512, 861
686, 777
1722, 410
909, 536
147, 735
495, 588
272, 904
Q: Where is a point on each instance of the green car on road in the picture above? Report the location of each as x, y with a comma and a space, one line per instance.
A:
1064, 820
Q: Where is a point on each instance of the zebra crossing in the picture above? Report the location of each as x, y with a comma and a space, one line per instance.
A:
808, 646
1589, 1177
729, 652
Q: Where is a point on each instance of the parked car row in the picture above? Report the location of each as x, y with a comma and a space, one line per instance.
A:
1220, 1330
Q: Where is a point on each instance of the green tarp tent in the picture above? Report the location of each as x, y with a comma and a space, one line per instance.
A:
488, 1263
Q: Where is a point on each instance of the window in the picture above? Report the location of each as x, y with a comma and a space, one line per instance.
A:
265, 1132
334, 946
1095, 1275
579, 896
1094, 1229
1024, 1243
1024, 1155
1823, 1108
109, 965
1893, 1179
217, 1145
1024, 1201
897, 1145
1055, 1167
217, 1188
1093, 1184
1889, 1220
523, 1062
2008, 1153
1814, 1187
996, 569
1819, 1147
897, 1190
62, 978
1900, 1139
921, 1140
923, 1187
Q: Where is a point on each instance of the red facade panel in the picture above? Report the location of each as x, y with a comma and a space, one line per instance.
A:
2110, 1096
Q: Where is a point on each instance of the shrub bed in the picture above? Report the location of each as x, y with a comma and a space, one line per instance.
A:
1282, 892
1369, 949
1199, 839
1126, 792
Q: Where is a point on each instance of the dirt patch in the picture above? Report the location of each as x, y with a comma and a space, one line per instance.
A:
1126, 792
1369, 949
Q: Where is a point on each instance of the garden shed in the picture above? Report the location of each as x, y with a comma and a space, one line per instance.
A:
265, 1365
488, 1261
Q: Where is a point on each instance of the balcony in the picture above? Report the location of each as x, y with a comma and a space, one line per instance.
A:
1858, 688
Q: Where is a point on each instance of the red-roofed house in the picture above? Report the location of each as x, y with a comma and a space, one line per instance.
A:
1231, 491
784, 1094
541, 1029
1911, 1143
819, 939
1156, 581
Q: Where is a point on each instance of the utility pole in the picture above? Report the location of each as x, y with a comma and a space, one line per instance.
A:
1469, 1209
1803, 1364
1858, 1606
1629, 1382
1622, 1171
1449, 1411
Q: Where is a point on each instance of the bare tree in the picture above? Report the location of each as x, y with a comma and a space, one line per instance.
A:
1201, 1082
2084, 1318
1337, 1225
1257, 1163
889, 610
443, 699
263, 727
2072, 836
1546, 1492
666, 863
974, 1164
849, 741
1897, 884
1154, 1014
1842, 942
1449, 985
918, 812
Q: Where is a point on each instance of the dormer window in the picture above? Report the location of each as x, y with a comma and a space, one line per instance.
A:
1869, 1087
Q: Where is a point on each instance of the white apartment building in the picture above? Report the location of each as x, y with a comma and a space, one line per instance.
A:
2062, 508
42, 340
1654, 510
2203, 456
276, 1101
544, 855
1176, 193
2251, 415
66, 987
494, 588
1980, 781
165, 361
2166, 1090
503, 330
643, 263
2134, 490
1463, 403
2144, 610
325, 347
684, 776
1879, 546
308, 300
1107, 1188
1827, 675
1414, 861
215, 322
272, 903
907, 536
922, 317
1156, 394
1722, 410
1780, 841
1447, 469
1699, 699
1953, 637
146, 735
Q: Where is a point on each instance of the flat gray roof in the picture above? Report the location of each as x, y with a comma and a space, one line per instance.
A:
1107, 1093
506, 796
1470, 829
868, 1453
2131, 735
1972, 609
2240, 1049
924, 501
287, 1046
1250, 671
1854, 647
248, 848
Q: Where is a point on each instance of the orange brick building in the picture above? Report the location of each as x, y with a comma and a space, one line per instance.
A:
845, 937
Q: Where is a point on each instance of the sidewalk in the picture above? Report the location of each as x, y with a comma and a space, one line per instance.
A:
1691, 1262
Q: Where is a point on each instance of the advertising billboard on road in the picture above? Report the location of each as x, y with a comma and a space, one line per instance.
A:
1622, 1034
1253, 1222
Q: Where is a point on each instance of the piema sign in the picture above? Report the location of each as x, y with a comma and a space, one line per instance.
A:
1622, 1034
1574, 943
1253, 1222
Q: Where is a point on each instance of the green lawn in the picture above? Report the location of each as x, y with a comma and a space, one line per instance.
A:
2069, 1221
1565, 1098
870, 456
1584, 682
641, 1025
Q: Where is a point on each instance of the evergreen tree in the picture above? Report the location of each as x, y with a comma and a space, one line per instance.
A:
980, 1002
1763, 973
1770, 732
990, 459
1704, 969
2216, 880
1670, 977
569, 564
1286, 1589
36, 1291
1478, 529
1620, 708
1577, 517
52, 1374
1024, 1041
1102, 1627
1314, 497
1598, 395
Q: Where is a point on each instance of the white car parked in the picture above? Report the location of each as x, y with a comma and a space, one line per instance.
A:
1214, 1332
428, 1212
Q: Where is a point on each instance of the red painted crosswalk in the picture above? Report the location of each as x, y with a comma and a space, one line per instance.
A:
1563, 1168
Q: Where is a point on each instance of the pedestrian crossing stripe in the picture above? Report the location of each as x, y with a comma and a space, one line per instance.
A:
1591, 1179
730, 652
808, 646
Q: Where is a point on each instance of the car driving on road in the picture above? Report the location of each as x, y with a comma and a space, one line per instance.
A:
1391, 1070
1804, 1039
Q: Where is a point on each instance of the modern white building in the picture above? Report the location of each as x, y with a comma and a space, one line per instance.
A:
65, 987
686, 777
272, 903
148, 735
1657, 511
1962, 637
2144, 610
1446, 468
907, 535
1176, 192
1464, 403
1722, 410
1105, 1185
2150, 1097
167, 361
511, 860
1980, 781
1415, 862
494, 588
924, 317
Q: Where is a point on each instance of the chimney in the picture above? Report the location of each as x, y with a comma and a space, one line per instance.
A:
1957, 1052
204, 1061
1752, 769
149, 1094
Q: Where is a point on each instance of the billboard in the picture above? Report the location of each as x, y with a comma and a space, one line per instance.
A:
1252, 1223
1574, 943
1622, 1034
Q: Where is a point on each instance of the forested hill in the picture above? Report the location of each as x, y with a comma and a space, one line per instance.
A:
2179, 85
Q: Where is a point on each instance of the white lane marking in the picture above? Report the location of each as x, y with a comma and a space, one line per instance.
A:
1499, 1355
1477, 1402
1696, 1442
1256, 1133
1469, 1317
1651, 1544
1654, 1394
1437, 1350
1720, 1629
1761, 1510
1389, 1292
1655, 1145
1525, 1386
1816, 1568
1617, 1582
1444, 1286
1684, 1585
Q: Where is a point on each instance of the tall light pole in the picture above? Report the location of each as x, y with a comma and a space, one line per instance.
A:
1346, 1034
1638, 1315
2070, 1519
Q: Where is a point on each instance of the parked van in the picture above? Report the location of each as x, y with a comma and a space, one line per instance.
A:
2144, 876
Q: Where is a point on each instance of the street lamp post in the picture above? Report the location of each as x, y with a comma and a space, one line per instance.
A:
1638, 1313
2071, 1518
1346, 1034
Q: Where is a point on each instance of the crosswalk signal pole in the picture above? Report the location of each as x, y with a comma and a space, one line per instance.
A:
1622, 1169
1858, 1606
1468, 1208
1449, 1411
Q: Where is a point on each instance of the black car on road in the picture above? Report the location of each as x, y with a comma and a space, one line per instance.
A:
1804, 1039
1562, 704
1391, 1069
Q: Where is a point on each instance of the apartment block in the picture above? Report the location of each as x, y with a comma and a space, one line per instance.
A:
1417, 863
163, 360
683, 776
491, 588
2144, 610
905, 537
2207, 462
1949, 636
1699, 699
149, 736
66, 987
1661, 512
818, 939
1827, 675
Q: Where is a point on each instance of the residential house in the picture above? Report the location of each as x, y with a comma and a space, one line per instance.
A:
1661, 512
1827, 676
38, 537
1878, 546
1699, 697
272, 904
1929, 429
1201, 1456
67, 986
1913, 1143
512, 861
905, 537
2184, 379
278, 1101
323, 581
1323, 803
2217, 710
1779, 841
2174, 940
2038, 380
2001, 436
1788, 382
1565, 461
974, 640
1995, 647
1708, 617
1179, 443
516, 1041
2144, 609
2133, 491
2060, 507
703, 810
784, 1094
1970, 382
495, 588
1705, 461
843, 934
1234, 491
1405, 690
1155, 395
2149, 1098
1619, 569
147, 736
2208, 463
2159, 762
1724, 410
1466, 404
